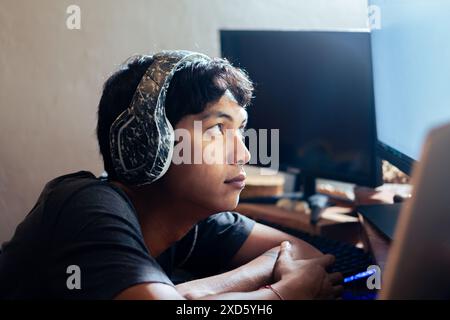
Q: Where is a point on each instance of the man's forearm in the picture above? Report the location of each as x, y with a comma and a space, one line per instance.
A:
246, 278
260, 294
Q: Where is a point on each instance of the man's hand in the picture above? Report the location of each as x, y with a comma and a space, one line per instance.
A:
262, 238
297, 279
305, 279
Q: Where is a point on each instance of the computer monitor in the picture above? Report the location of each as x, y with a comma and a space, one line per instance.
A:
316, 88
411, 66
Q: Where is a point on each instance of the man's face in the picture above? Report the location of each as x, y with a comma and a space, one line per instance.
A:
211, 176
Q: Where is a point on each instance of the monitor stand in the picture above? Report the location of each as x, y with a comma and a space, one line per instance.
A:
317, 202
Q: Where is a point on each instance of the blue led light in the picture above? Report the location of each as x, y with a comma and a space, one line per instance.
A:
360, 275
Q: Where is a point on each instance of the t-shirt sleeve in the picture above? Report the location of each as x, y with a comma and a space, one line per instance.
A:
218, 239
99, 234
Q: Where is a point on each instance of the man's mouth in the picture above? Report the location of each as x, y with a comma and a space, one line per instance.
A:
238, 181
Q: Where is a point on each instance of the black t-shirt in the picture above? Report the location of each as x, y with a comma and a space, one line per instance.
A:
80, 220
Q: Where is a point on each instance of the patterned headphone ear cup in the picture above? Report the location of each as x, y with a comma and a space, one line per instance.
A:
135, 146
136, 140
141, 149
166, 138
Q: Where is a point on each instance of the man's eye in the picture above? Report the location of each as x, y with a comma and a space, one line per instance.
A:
217, 129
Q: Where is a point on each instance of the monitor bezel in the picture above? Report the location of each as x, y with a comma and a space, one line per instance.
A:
395, 157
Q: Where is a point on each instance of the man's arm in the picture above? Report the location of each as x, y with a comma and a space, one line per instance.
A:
244, 282
262, 238
248, 277
161, 291
254, 264
306, 280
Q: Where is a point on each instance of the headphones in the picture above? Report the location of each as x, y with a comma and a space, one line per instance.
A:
142, 138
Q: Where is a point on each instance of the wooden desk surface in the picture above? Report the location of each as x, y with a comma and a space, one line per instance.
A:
334, 224
374, 242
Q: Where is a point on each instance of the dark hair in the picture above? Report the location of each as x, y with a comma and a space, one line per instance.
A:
191, 90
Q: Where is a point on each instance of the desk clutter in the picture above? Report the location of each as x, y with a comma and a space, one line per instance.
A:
261, 182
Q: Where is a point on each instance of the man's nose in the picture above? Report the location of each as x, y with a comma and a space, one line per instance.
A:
241, 153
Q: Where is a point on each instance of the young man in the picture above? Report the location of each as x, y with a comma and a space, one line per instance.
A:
125, 237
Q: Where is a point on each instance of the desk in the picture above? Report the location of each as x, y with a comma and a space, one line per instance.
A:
374, 242
338, 222
335, 223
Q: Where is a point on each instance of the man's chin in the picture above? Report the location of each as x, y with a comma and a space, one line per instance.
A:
231, 205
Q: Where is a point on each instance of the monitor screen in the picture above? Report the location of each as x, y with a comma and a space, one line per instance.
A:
316, 88
411, 66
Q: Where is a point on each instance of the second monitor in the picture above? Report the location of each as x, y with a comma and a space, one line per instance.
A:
316, 88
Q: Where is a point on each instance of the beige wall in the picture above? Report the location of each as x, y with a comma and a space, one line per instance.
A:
51, 77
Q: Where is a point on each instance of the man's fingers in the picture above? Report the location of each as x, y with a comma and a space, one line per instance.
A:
336, 278
325, 260
333, 292
285, 250
337, 291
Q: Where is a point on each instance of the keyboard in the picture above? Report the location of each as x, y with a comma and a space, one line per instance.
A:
350, 260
